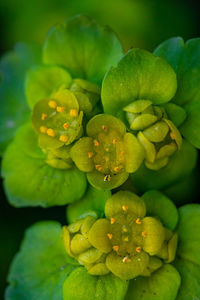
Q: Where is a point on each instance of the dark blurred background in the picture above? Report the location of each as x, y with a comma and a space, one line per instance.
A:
138, 23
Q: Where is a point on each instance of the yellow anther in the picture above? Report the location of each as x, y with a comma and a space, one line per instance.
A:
124, 229
126, 259
138, 249
112, 220
116, 248
96, 143
114, 141
116, 169
50, 132
52, 104
43, 117
43, 129
63, 138
60, 109
90, 154
172, 135
121, 153
144, 234
107, 178
66, 126
124, 207
104, 127
125, 239
73, 112
138, 221
109, 235
98, 167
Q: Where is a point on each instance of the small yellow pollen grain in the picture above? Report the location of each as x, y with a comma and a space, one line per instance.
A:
112, 220
124, 207
98, 167
60, 109
104, 127
96, 143
63, 138
52, 104
43, 129
138, 249
114, 141
116, 169
109, 235
138, 221
116, 248
125, 239
73, 112
107, 178
43, 117
66, 125
144, 234
50, 132
126, 259
90, 154
172, 135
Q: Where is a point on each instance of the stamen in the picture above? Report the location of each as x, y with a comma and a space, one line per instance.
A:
116, 169
144, 234
63, 138
125, 239
98, 167
109, 235
114, 141
52, 104
60, 109
96, 143
116, 248
138, 249
138, 221
43, 117
107, 178
112, 220
172, 135
43, 129
124, 207
73, 112
121, 153
66, 125
126, 259
50, 132
90, 154
124, 229
104, 127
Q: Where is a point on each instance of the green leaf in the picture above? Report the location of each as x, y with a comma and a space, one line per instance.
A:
42, 81
85, 48
92, 203
175, 113
160, 206
188, 233
190, 277
161, 285
180, 165
29, 181
42, 265
81, 285
14, 109
138, 75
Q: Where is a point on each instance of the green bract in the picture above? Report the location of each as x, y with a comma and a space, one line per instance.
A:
108, 154
145, 248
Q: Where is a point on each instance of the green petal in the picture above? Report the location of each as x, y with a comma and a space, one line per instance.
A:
160, 206
92, 203
94, 126
29, 279
188, 232
29, 181
97, 180
157, 132
180, 165
142, 121
190, 276
175, 113
14, 110
41, 81
149, 148
134, 203
98, 235
134, 153
139, 75
137, 106
127, 270
81, 285
85, 48
161, 285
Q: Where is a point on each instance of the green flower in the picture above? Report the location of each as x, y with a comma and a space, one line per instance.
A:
90, 240
108, 154
140, 91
